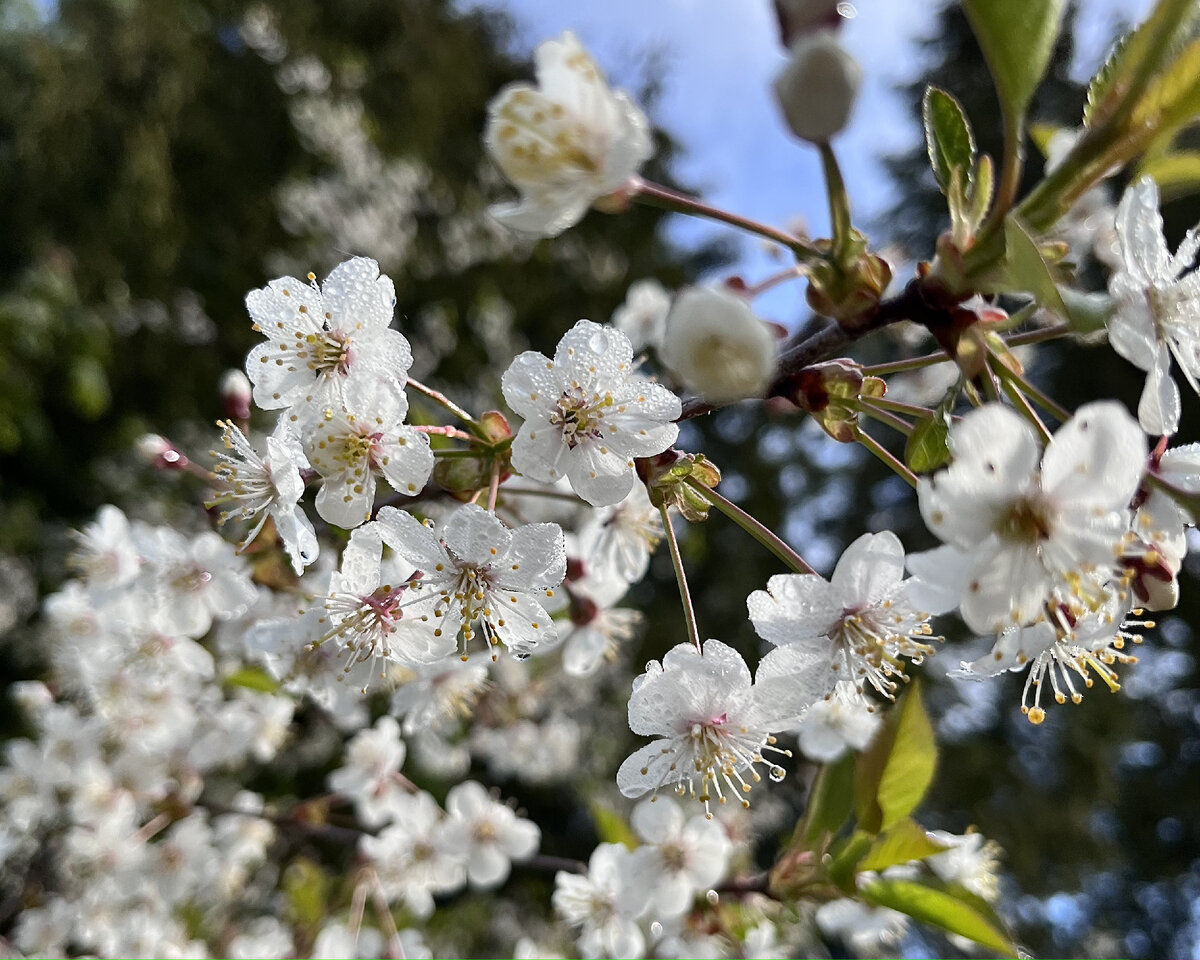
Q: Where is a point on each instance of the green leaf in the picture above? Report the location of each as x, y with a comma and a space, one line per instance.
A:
939, 908
1172, 98
1111, 82
87, 386
1041, 134
893, 773
912, 761
1017, 38
831, 800
948, 137
611, 826
306, 887
981, 190
1177, 173
846, 857
905, 841
252, 678
1027, 271
926, 448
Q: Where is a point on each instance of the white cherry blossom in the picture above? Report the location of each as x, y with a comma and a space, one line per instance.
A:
320, 338
434, 696
487, 835
618, 540
1063, 649
970, 860
107, 553
350, 445
194, 580
365, 609
481, 575
1021, 534
368, 775
256, 488
587, 415
845, 719
679, 856
714, 725
565, 143
861, 621
1157, 313
409, 857
603, 904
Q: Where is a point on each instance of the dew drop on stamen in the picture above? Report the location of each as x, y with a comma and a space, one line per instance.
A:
712, 897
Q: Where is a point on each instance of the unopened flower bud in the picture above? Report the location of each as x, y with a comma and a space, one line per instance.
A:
816, 90
717, 347
235, 393
160, 453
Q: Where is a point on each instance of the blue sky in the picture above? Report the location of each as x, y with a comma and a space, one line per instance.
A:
720, 57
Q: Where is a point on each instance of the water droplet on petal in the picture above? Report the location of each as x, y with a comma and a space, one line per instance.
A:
777, 774
656, 929
520, 655
598, 342
712, 897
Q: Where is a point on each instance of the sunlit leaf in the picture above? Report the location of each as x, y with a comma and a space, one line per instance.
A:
1112, 80
252, 678
911, 763
927, 447
905, 841
1027, 270
893, 773
831, 800
947, 137
1177, 173
941, 909
1017, 38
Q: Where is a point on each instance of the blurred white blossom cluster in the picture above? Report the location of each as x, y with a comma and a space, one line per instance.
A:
424, 616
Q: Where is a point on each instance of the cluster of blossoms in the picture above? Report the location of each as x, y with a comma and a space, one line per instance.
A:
198, 661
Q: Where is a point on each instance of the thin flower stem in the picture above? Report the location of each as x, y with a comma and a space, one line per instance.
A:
386, 921
447, 432
757, 530
885, 417
887, 457
1038, 336
774, 280
1018, 398
1043, 400
494, 486
900, 366
896, 406
681, 577
438, 397
545, 494
544, 861
358, 903
656, 195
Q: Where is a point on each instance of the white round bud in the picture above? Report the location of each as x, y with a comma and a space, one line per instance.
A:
816, 89
235, 393
717, 347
